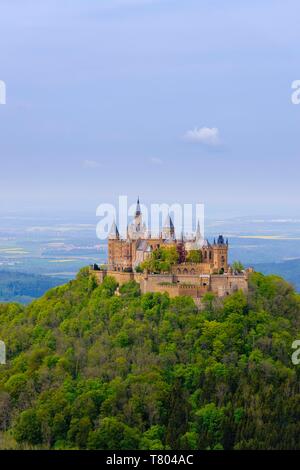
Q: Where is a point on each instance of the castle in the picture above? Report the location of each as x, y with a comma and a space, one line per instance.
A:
206, 271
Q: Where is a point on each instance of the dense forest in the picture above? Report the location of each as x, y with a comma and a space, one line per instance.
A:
96, 367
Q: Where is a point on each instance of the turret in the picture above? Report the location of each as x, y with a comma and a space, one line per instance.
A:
199, 242
138, 208
137, 229
114, 232
220, 254
168, 231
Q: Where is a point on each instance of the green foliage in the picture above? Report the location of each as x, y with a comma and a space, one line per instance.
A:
194, 256
28, 428
109, 286
89, 369
237, 266
161, 260
113, 434
130, 289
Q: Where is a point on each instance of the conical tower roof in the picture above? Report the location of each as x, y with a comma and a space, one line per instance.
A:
138, 208
169, 223
114, 232
198, 231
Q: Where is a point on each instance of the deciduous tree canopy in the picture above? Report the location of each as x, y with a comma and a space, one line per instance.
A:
88, 369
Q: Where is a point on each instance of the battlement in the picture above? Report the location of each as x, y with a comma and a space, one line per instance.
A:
194, 286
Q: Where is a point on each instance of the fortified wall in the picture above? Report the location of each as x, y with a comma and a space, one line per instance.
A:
192, 285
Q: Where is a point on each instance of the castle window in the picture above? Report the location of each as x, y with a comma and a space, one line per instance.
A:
178, 271
210, 255
185, 271
192, 271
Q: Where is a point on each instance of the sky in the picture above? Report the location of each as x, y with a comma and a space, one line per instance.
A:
175, 101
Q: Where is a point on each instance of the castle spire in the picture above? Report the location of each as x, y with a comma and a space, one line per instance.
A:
168, 228
138, 208
199, 237
114, 232
198, 231
169, 222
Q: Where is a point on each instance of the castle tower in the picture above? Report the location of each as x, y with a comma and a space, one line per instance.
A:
113, 243
220, 254
138, 213
114, 232
199, 241
168, 231
137, 228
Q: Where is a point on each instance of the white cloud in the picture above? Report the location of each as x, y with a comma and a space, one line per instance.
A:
203, 135
156, 161
91, 164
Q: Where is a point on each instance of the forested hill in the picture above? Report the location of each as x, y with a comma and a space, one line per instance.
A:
91, 369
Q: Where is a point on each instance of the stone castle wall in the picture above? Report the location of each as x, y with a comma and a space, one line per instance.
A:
226, 284
191, 268
190, 285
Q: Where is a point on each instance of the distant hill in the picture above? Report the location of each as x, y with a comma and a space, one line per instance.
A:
290, 270
23, 287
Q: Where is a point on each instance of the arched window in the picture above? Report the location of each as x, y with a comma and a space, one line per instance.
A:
185, 271
178, 271
192, 271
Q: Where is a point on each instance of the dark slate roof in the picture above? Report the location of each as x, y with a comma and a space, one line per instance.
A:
169, 222
138, 208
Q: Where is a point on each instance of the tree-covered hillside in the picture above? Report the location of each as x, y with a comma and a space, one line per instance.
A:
91, 369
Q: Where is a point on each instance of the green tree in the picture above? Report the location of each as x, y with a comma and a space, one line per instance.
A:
28, 428
237, 266
161, 260
113, 434
194, 256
